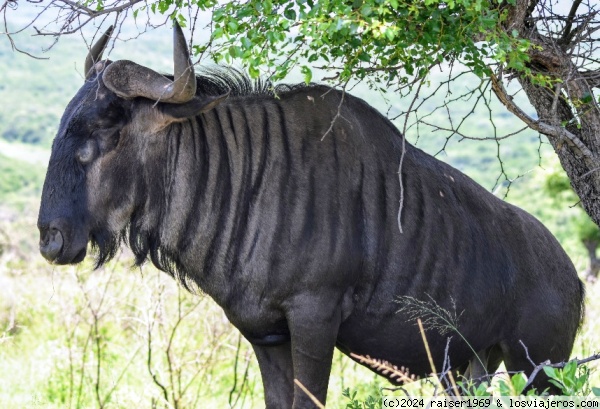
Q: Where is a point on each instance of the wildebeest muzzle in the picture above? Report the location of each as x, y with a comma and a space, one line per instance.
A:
59, 244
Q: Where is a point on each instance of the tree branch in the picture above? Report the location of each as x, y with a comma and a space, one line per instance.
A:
558, 132
566, 38
592, 78
76, 10
538, 367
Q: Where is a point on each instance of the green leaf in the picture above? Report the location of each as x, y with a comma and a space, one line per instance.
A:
570, 370
217, 33
518, 382
233, 26
558, 384
307, 72
389, 33
246, 43
290, 13
551, 372
253, 71
366, 10
587, 98
364, 57
235, 51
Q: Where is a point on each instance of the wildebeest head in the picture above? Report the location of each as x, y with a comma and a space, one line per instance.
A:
89, 193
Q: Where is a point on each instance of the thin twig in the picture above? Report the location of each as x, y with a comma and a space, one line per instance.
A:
402, 155
538, 367
429, 356
310, 395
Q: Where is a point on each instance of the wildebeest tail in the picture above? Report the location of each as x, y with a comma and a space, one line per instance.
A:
581, 303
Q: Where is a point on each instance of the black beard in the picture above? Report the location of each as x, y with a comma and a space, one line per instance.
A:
140, 243
105, 244
146, 244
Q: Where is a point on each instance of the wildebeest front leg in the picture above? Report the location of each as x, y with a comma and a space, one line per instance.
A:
314, 323
277, 373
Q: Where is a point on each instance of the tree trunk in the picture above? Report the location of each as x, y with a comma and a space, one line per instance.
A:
591, 273
569, 114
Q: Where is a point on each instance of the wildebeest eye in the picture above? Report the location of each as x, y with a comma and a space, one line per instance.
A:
87, 152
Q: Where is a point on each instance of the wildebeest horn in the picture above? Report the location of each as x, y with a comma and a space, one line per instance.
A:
184, 86
96, 51
128, 79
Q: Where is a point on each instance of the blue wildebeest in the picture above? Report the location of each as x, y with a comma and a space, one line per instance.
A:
283, 209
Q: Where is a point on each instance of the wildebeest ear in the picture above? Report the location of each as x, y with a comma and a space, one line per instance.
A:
196, 106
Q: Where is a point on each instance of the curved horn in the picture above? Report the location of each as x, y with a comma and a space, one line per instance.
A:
95, 53
184, 84
129, 80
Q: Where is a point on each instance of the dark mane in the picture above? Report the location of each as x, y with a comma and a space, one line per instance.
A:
219, 80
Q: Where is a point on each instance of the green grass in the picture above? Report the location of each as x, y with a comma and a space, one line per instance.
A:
19, 181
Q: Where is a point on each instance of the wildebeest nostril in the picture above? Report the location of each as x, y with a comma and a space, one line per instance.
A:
51, 244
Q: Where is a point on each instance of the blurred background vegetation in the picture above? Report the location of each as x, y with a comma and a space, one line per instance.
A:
122, 337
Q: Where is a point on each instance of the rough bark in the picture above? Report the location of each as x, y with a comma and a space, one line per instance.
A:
568, 114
